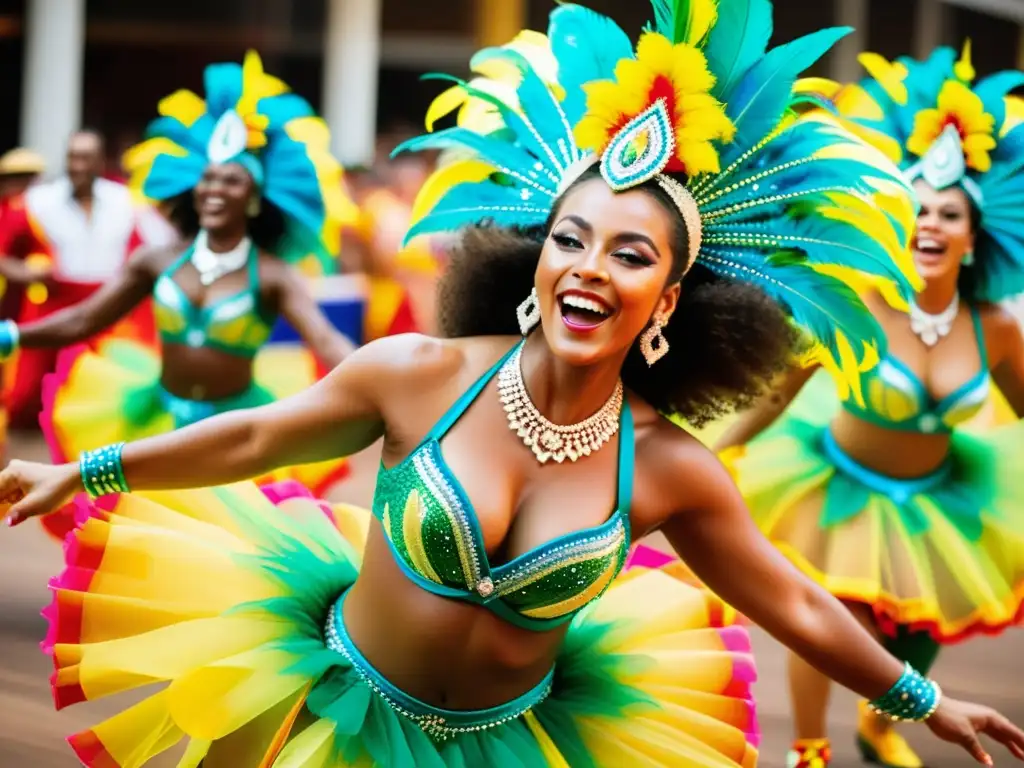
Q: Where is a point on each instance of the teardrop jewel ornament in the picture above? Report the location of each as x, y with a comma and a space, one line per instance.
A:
945, 165
930, 328
641, 150
547, 440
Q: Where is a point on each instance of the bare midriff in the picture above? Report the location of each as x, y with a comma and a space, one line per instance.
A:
446, 653
889, 452
203, 373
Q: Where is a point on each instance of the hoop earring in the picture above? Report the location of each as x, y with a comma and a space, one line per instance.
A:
968, 259
252, 210
653, 344
528, 313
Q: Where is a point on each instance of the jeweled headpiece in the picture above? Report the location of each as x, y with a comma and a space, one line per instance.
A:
250, 118
701, 107
937, 124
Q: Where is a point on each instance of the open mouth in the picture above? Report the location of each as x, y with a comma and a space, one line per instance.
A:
213, 205
582, 312
930, 248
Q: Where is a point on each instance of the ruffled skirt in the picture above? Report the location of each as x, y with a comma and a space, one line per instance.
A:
232, 605
114, 394
942, 553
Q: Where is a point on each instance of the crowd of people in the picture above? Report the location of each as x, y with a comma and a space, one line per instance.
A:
737, 343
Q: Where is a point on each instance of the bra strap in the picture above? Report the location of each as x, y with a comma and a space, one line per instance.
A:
979, 334
453, 414
627, 449
179, 262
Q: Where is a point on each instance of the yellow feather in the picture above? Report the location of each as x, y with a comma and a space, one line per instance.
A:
443, 179
444, 104
703, 15
964, 69
184, 106
1014, 114
890, 76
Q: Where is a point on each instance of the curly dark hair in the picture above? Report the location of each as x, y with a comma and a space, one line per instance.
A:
727, 339
267, 229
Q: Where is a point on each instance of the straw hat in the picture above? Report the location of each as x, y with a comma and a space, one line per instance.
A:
21, 161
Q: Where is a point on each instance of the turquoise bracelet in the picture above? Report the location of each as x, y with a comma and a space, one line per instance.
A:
914, 698
101, 471
9, 337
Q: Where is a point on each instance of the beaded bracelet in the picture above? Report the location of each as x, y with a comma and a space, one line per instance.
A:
101, 471
9, 337
914, 698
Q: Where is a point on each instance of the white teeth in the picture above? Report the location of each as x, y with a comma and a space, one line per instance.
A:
928, 243
572, 300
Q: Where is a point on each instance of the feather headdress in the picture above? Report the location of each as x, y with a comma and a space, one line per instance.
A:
251, 118
793, 206
933, 120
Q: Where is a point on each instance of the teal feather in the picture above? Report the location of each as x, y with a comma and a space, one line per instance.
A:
665, 16
763, 95
820, 304
510, 159
818, 239
587, 46
994, 88
737, 42
470, 203
541, 128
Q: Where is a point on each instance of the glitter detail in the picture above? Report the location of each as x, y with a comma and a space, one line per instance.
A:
436, 484
437, 724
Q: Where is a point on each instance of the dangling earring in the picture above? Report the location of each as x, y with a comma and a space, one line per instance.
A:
528, 313
252, 210
968, 259
653, 344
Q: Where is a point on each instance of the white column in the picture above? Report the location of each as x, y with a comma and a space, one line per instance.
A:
929, 27
351, 64
51, 106
850, 13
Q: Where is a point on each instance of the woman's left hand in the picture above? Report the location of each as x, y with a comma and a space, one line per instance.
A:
961, 722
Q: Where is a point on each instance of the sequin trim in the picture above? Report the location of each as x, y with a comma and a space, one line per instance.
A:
440, 725
444, 494
562, 556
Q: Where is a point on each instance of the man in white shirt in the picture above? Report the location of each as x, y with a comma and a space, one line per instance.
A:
74, 233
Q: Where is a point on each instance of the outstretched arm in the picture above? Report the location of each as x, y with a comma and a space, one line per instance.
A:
337, 416
300, 309
115, 299
767, 409
715, 534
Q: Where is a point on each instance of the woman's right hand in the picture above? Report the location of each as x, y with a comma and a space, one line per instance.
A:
32, 489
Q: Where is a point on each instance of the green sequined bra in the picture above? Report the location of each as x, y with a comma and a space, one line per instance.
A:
435, 536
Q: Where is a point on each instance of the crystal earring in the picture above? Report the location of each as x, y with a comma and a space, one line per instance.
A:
528, 313
252, 210
968, 259
653, 344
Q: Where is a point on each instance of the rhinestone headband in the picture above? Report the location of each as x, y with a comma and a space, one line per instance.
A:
677, 193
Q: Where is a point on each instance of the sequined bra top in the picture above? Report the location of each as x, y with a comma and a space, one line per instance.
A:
896, 398
435, 536
233, 324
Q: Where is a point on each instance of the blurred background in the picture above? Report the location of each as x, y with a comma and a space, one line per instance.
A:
105, 64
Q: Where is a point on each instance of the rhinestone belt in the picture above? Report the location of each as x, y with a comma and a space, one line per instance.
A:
438, 724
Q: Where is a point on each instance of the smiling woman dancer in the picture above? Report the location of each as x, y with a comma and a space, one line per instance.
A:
485, 622
888, 502
248, 176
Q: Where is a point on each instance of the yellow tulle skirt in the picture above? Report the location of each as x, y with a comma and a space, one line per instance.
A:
111, 395
220, 596
942, 553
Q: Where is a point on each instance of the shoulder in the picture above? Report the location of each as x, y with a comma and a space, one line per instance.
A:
1001, 327
425, 361
154, 259
675, 473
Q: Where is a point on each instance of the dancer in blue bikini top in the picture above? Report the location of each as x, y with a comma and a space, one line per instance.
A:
246, 176
616, 264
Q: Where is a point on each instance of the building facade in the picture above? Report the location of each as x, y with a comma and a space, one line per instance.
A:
105, 63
